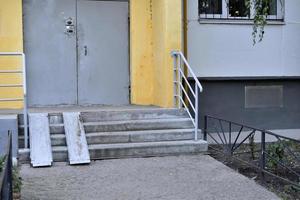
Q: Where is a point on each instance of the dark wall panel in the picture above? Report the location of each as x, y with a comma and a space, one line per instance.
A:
226, 99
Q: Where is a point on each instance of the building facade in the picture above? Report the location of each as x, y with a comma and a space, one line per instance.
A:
89, 52
254, 84
118, 52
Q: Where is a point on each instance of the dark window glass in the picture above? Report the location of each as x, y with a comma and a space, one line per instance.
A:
210, 6
272, 7
238, 8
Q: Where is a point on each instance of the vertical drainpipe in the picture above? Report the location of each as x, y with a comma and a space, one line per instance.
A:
185, 23
185, 42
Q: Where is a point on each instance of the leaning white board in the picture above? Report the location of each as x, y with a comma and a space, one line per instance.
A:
76, 140
40, 142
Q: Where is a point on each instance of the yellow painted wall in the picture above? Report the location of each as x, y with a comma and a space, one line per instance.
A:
155, 30
167, 37
141, 52
11, 40
154, 34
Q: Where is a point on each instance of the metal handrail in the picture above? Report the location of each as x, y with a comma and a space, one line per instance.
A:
25, 111
181, 93
6, 188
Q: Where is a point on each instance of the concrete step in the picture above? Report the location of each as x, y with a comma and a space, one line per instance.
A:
55, 128
125, 137
130, 125
140, 136
56, 140
135, 114
117, 115
59, 154
134, 125
56, 119
125, 150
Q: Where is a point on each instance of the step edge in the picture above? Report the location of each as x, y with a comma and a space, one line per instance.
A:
147, 144
136, 132
186, 119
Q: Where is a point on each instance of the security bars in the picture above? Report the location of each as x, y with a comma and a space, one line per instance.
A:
182, 97
237, 10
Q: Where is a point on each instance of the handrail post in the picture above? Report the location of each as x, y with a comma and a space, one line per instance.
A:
179, 81
175, 77
229, 140
6, 188
263, 156
205, 128
196, 112
9, 165
25, 103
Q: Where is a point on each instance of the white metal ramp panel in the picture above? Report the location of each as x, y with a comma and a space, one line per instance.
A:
76, 140
40, 142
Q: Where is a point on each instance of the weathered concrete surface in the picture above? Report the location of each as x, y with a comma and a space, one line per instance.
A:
78, 151
40, 142
165, 178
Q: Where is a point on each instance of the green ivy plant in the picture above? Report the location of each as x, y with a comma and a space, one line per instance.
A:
261, 10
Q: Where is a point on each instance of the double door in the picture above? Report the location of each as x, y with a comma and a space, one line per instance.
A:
77, 52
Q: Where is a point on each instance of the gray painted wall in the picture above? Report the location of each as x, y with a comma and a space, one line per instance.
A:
226, 99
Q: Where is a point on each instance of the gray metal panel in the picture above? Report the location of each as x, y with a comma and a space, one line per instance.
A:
50, 53
264, 96
77, 145
40, 142
103, 69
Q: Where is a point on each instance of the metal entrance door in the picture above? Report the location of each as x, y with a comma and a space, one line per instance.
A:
50, 51
103, 72
77, 52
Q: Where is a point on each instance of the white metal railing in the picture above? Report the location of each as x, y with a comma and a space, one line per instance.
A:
24, 85
180, 91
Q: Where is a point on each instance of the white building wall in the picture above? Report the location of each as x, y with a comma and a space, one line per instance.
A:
226, 50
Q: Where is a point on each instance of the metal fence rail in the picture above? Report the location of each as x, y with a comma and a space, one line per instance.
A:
181, 93
24, 86
268, 152
6, 191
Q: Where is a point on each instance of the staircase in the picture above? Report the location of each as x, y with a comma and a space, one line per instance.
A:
125, 133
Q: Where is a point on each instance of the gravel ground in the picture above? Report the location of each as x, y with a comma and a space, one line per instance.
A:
164, 178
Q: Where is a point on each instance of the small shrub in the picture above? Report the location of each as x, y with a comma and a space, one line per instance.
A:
17, 181
2, 159
276, 155
252, 146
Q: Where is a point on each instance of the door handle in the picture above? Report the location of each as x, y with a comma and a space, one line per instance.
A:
85, 50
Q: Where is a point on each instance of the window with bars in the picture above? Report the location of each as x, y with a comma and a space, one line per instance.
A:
236, 9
